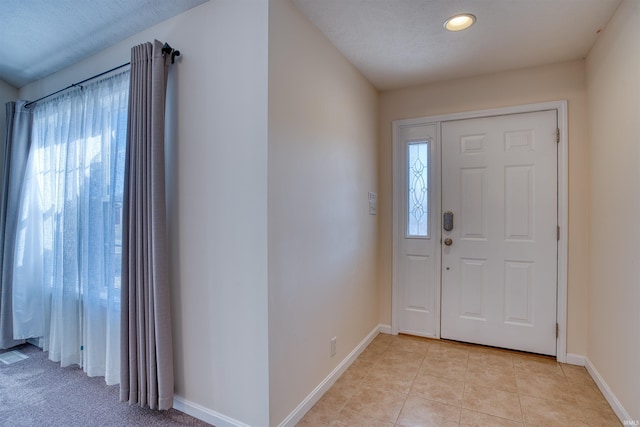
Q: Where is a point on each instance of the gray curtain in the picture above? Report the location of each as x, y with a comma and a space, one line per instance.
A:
146, 342
16, 152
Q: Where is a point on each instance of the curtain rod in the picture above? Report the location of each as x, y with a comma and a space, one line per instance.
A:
76, 84
166, 49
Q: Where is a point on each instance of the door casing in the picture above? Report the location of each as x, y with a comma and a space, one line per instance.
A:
561, 108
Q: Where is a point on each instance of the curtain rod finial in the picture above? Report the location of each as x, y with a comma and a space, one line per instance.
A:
173, 55
168, 50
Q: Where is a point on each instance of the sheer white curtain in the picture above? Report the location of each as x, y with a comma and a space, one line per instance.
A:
68, 250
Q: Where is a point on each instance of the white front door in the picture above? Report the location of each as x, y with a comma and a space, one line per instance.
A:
417, 232
499, 260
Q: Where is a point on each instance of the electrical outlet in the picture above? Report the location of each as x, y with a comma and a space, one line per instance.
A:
333, 346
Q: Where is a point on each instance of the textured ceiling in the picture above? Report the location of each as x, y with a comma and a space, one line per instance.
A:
40, 37
398, 43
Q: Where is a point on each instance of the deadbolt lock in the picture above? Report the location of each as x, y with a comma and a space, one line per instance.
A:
447, 221
448, 241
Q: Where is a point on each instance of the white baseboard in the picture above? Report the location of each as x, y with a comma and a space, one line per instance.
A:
385, 329
608, 394
580, 360
205, 414
576, 359
294, 417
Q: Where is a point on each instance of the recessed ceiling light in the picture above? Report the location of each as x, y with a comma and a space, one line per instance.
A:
459, 22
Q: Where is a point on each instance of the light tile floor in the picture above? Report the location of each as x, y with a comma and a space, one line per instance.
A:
408, 381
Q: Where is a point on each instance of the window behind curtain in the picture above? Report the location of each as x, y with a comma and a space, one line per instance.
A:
67, 269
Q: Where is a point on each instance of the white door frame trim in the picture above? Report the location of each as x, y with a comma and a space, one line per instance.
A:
563, 206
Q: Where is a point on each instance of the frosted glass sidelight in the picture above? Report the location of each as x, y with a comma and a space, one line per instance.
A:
418, 189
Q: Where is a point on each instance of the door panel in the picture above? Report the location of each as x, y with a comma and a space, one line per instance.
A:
417, 230
499, 178
473, 203
420, 270
519, 203
473, 284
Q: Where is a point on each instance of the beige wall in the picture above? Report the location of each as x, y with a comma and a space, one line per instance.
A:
217, 166
613, 83
322, 241
527, 86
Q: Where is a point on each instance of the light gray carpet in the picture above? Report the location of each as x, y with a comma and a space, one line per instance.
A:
38, 392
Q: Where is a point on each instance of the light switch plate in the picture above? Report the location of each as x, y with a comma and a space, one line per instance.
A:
373, 203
